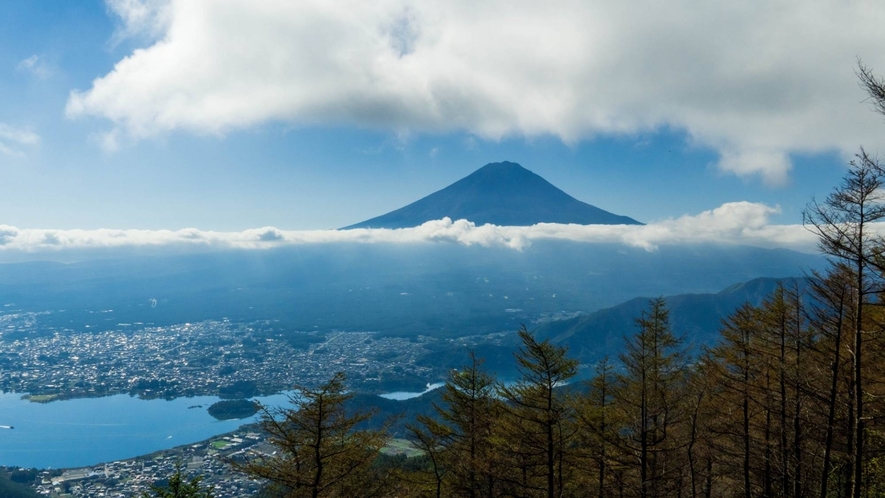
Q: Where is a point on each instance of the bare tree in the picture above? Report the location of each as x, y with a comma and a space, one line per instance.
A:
842, 224
874, 86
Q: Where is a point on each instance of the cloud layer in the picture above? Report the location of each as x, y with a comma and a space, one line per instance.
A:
756, 81
732, 223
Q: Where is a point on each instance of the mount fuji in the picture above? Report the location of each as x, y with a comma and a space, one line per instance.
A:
504, 194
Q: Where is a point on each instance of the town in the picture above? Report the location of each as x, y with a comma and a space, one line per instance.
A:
129, 478
232, 360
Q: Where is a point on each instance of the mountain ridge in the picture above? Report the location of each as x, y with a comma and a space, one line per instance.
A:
503, 194
695, 316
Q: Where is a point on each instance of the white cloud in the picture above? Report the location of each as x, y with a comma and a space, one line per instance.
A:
21, 136
732, 223
36, 66
756, 81
140, 17
12, 138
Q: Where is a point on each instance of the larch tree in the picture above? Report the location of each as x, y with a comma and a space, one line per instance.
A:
598, 428
321, 453
736, 373
538, 422
873, 85
649, 390
464, 431
843, 224
831, 320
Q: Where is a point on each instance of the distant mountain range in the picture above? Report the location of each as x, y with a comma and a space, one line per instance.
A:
697, 318
504, 194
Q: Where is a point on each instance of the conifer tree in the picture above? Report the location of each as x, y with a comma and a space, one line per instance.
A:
843, 225
874, 86
650, 391
464, 431
598, 428
538, 422
737, 377
321, 452
830, 321
700, 447
429, 439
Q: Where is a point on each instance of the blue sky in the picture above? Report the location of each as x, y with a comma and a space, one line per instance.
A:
301, 116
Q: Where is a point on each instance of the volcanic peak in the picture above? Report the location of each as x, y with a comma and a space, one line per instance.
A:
504, 194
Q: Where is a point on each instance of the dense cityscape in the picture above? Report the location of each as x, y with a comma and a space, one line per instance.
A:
205, 358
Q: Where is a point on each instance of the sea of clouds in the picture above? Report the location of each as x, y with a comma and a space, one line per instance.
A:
743, 223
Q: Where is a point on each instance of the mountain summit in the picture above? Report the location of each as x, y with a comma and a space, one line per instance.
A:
504, 194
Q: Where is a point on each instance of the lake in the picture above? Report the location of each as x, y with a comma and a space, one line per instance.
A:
81, 432
404, 395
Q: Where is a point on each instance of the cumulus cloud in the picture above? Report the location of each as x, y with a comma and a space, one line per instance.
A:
13, 138
140, 17
756, 81
732, 223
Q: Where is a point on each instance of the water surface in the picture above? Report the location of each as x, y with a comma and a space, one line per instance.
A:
81, 432
403, 395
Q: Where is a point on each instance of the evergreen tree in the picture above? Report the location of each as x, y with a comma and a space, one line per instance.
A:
700, 446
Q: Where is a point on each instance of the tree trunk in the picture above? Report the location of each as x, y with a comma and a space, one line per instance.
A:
782, 374
858, 378
831, 408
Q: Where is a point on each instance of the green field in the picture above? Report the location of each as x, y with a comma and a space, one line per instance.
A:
220, 444
41, 398
400, 446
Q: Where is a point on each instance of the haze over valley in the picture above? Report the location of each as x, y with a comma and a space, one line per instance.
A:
400, 249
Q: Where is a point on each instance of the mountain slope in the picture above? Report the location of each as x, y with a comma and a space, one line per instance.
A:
694, 317
504, 194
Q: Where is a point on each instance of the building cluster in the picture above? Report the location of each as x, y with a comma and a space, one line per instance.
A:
131, 478
193, 359
213, 357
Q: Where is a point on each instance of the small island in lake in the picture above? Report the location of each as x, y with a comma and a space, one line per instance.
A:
233, 408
